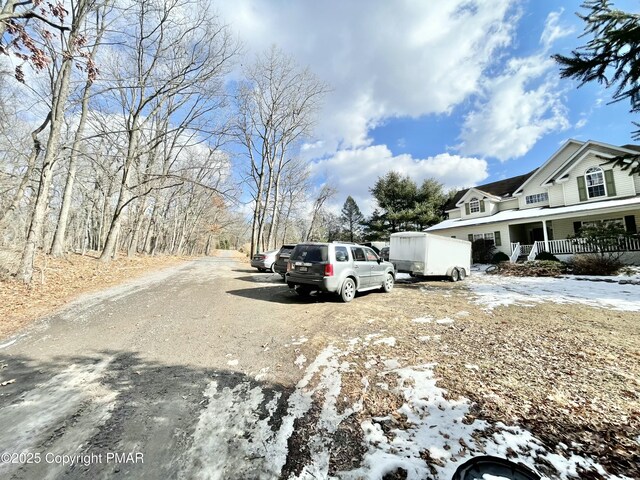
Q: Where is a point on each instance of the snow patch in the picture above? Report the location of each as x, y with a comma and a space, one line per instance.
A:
422, 320
390, 341
445, 321
232, 363
391, 364
436, 426
300, 361
494, 291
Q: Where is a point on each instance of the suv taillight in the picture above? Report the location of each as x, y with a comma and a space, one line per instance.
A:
289, 267
328, 270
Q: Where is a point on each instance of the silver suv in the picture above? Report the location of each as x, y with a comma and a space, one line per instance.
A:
342, 268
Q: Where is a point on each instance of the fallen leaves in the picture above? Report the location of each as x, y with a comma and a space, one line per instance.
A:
59, 280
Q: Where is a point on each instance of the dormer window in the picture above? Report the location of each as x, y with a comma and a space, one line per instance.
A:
474, 205
594, 178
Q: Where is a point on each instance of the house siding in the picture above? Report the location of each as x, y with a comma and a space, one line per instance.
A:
636, 181
489, 209
624, 183
464, 232
535, 182
556, 196
564, 228
508, 205
523, 205
454, 213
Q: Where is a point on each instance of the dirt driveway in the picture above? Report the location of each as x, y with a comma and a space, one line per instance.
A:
210, 370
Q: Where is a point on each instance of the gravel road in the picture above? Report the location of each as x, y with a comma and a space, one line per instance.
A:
134, 382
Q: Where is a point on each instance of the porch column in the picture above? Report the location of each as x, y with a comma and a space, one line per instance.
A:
546, 236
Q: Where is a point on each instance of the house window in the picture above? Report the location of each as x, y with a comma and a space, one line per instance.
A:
474, 205
483, 236
595, 182
537, 198
618, 222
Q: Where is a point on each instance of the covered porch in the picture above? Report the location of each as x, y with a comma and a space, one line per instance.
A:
554, 235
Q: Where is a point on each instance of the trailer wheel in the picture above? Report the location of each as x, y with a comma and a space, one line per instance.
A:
455, 275
462, 274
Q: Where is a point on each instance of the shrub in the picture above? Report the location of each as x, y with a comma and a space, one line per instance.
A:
482, 251
537, 268
547, 256
500, 257
595, 264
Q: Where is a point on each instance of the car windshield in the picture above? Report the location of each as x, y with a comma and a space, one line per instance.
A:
310, 253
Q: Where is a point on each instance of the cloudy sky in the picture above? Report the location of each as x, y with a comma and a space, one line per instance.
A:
463, 91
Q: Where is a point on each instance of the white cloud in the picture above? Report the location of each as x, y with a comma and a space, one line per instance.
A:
354, 171
553, 30
522, 105
519, 106
382, 59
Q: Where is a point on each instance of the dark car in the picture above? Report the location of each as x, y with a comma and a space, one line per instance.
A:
384, 253
282, 257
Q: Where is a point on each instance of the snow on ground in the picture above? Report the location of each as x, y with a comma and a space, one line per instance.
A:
445, 321
496, 290
436, 427
300, 361
422, 320
389, 341
236, 435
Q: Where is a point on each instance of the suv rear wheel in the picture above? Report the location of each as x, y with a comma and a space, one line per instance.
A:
348, 290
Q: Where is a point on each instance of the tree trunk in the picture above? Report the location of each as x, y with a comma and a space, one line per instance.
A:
60, 95
35, 153
110, 245
57, 248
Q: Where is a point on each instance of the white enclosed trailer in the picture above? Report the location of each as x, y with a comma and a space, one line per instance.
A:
424, 254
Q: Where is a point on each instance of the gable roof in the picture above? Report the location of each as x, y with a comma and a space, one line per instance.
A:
578, 155
551, 159
501, 188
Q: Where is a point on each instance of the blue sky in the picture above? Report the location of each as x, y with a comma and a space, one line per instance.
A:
463, 91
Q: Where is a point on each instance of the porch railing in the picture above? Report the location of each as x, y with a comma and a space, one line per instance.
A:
579, 245
525, 249
515, 252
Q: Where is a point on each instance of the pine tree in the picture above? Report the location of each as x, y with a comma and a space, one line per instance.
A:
612, 58
352, 219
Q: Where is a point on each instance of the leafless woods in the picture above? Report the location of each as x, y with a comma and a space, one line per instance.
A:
131, 127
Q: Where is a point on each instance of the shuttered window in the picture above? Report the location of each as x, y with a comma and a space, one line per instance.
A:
594, 180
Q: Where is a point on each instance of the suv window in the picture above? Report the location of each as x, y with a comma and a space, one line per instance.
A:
371, 255
309, 253
286, 250
358, 254
342, 254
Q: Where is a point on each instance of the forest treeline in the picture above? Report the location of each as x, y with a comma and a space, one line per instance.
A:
140, 127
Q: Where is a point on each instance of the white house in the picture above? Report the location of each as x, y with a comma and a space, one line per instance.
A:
541, 209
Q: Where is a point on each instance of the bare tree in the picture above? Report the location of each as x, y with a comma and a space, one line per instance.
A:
60, 93
324, 194
276, 107
57, 248
173, 63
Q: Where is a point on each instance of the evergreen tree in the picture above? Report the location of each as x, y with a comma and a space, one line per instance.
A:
352, 219
611, 57
403, 206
